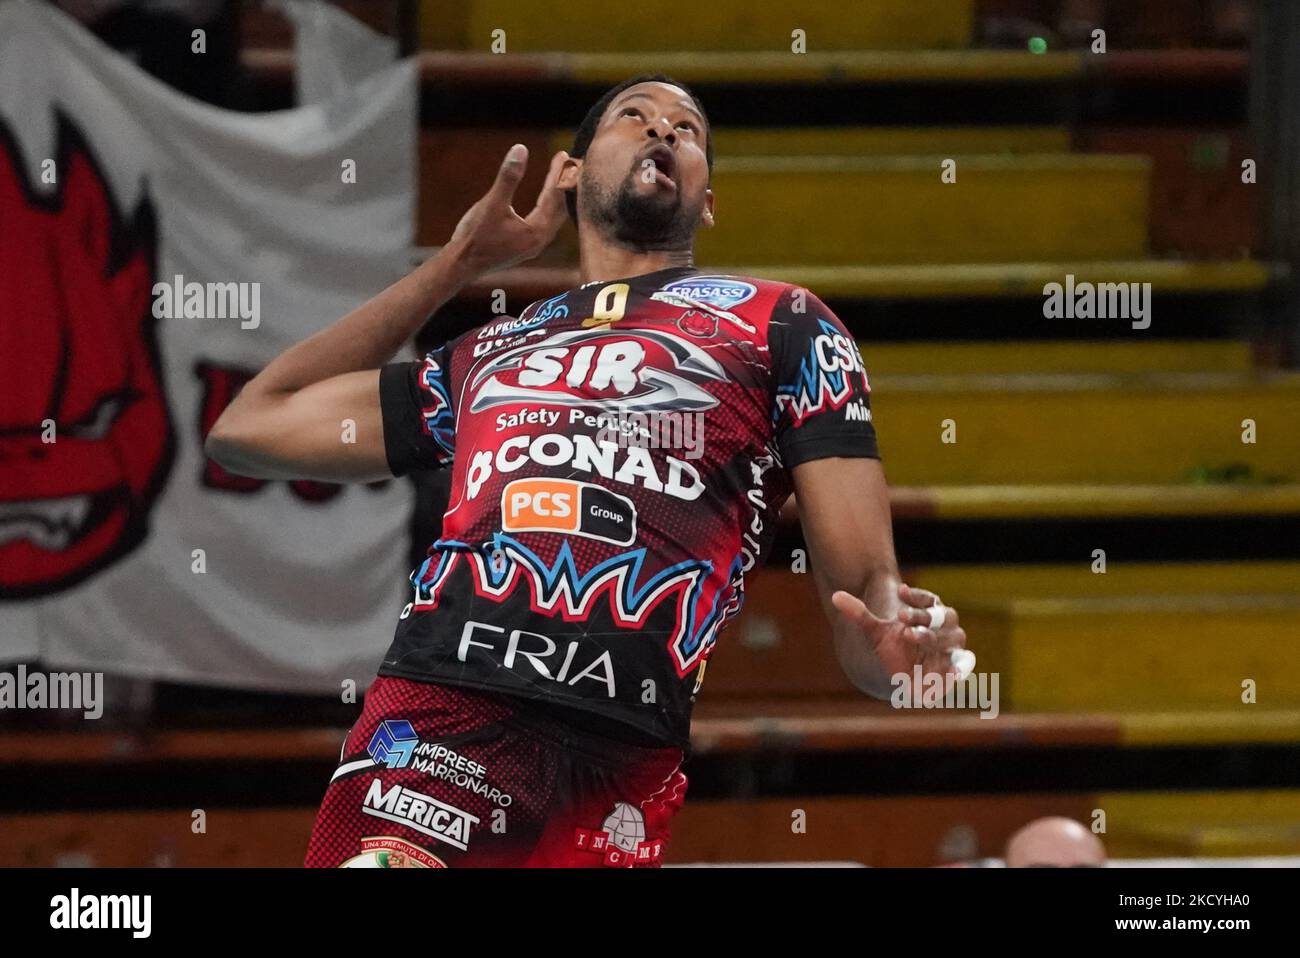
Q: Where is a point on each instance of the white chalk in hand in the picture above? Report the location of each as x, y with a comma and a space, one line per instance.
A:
964, 661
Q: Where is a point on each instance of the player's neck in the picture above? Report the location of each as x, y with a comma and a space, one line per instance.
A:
600, 260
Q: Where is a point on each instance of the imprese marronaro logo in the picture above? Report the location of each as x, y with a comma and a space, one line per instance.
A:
393, 743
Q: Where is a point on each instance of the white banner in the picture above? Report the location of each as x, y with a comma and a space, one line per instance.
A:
122, 548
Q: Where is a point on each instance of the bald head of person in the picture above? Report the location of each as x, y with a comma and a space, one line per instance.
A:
1054, 843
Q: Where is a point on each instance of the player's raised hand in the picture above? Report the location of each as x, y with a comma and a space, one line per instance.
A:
923, 632
492, 235
922, 609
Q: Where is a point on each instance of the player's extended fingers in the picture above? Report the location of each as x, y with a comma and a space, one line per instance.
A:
959, 670
917, 598
550, 210
934, 617
938, 657
943, 644
940, 640
854, 609
550, 189
928, 642
953, 638
509, 175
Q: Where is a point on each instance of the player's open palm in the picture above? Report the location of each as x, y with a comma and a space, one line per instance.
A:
924, 631
493, 234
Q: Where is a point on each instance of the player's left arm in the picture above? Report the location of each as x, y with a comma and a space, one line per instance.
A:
880, 626
826, 436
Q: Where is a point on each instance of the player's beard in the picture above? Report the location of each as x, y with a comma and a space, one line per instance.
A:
657, 220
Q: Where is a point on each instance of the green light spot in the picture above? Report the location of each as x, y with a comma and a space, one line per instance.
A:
1037, 45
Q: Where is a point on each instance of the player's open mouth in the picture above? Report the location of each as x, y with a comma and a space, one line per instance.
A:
665, 162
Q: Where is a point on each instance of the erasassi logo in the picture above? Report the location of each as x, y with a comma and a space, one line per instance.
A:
86, 439
641, 370
721, 291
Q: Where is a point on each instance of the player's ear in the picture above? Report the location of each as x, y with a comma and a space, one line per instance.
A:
706, 214
569, 170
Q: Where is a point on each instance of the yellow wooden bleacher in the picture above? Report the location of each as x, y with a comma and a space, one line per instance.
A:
896, 209
1090, 428
874, 141
1068, 356
1248, 822
976, 280
597, 26
1139, 653
1143, 654
1093, 501
1105, 388
960, 582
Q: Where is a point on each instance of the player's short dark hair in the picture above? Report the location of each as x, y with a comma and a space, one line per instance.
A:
586, 131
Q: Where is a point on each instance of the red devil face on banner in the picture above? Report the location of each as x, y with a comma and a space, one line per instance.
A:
79, 366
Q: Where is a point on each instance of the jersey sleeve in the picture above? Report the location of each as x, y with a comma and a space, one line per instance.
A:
822, 401
419, 421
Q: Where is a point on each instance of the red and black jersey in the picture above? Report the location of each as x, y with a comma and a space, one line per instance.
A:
619, 454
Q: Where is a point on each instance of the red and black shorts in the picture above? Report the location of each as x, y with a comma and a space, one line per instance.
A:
436, 776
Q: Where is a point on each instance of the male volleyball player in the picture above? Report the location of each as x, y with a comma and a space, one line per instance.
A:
534, 707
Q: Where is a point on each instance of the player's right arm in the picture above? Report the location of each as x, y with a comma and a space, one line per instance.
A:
314, 411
